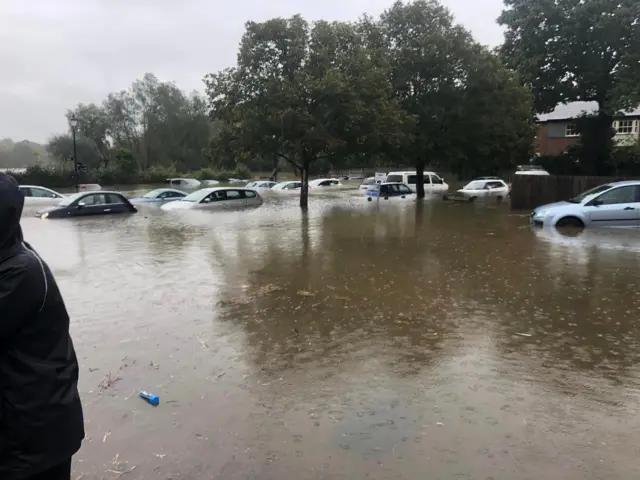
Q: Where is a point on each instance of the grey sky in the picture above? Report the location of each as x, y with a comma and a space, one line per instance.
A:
57, 53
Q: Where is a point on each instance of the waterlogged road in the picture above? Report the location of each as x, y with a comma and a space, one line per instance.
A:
440, 342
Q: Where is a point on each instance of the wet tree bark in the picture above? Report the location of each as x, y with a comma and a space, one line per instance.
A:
420, 180
304, 191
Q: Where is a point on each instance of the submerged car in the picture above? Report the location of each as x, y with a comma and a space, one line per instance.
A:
89, 187
210, 182
261, 184
183, 182
368, 182
615, 204
287, 187
325, 182
389, 191
89, 203
484, 188
159, 195
36, 195
217, 198
433, 183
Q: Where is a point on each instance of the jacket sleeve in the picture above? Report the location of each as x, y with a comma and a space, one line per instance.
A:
15, 299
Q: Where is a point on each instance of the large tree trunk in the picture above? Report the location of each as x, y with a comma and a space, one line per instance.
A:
304, 191
420, 180
596, 139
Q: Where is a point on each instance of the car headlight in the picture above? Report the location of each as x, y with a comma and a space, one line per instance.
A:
540, 213
44, 215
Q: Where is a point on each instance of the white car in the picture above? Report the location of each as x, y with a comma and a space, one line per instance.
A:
368, 182
325, 182
292, 186
220, 198
183, 182
36, 195
433, 183
210, 182
261, 185
485, 188
530, 170
389, 191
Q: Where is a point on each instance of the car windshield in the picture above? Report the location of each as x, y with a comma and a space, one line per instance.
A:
580, 198
475, 185
154, 193
197, 196
70, 199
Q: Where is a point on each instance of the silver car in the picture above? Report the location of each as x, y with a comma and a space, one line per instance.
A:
615, 204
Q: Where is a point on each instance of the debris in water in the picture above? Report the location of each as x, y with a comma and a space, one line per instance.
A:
150, 398
104, 439
524, 334
108, 381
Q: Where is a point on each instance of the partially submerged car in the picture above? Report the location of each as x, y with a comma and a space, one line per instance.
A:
389, 191
325, 182
217, 198
183, 182
290, 186
37, 195
485, 188
261, 185
367, 182
433, 183
89, 203
615, 204
89, 187
159, 195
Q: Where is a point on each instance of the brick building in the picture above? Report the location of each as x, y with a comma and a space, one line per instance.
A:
557, 130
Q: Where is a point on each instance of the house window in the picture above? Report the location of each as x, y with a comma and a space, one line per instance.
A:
571, 130
625, 127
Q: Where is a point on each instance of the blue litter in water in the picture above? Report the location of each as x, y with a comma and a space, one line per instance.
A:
150, 398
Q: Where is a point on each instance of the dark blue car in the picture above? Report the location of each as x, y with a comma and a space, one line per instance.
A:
89, 203
159, 195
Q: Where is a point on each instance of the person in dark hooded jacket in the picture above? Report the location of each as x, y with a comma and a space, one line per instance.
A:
41, 421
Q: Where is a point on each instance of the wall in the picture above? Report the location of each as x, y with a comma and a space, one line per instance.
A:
549, 141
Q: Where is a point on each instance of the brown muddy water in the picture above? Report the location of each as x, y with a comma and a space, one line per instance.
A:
439, 341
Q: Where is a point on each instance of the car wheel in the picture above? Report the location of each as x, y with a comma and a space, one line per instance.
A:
570, 222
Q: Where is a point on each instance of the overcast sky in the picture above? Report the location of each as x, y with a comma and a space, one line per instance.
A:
55, 54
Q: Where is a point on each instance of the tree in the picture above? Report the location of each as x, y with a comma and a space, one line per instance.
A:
569, 50
93, 125
302, 93
428, 57
60, 147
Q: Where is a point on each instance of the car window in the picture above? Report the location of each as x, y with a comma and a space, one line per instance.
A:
396, 178
618, 195
234, 195
385, 190
94, 199
495, 184
436, 180
113, 199
216, 196
403, 189
412, 179
38, 192
26, 191
249, 194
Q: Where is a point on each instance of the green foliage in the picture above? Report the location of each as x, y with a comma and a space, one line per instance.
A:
303, 93
569, 50
471, 114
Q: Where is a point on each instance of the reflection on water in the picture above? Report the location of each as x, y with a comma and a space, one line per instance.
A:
357, 341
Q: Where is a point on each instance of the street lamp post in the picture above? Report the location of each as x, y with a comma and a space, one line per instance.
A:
73, 121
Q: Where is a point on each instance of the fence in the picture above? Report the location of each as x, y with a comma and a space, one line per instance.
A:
530, 191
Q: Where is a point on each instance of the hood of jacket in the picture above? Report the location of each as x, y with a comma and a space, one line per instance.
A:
11, 204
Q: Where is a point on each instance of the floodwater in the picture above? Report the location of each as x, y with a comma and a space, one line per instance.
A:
440, 341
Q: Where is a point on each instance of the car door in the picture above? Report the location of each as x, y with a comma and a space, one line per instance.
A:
618, 207
115, 204
90, 204
235, 199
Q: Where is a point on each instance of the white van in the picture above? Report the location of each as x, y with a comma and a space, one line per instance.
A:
432, 181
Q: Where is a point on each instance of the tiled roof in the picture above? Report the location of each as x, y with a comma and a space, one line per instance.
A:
566, 111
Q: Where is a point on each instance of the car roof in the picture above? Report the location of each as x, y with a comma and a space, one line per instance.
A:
409, 172
100, 192
166, 190
217, 189
622, 183
34, 186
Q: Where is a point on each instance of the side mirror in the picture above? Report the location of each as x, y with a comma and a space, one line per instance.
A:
595, 203
81, 204
206, 200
